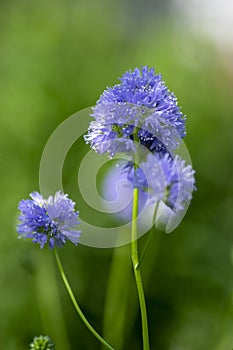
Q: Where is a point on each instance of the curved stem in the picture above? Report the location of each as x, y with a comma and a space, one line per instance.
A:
75, 304
137, 273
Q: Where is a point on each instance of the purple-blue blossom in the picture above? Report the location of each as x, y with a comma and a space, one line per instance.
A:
52, 220
169, 180
139, 109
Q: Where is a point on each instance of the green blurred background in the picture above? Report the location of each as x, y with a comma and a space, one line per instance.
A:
56, 58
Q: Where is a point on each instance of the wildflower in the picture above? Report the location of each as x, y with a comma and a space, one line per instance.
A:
169, 180
51, 220
141, 109
42, 343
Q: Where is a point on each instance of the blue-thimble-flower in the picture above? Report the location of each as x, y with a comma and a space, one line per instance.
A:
139, 109
52, 220
165, 179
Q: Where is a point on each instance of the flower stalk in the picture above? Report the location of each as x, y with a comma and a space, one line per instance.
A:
149, 236
75, 303
137, 272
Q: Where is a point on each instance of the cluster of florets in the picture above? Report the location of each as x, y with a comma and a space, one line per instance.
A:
139, 109
52, 220
42, 343
138, 113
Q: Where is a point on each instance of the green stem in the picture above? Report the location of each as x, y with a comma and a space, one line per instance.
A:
75, 304
149, 237
137, 273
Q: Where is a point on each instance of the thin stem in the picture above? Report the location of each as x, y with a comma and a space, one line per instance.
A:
137, 273
149, 237
75, 304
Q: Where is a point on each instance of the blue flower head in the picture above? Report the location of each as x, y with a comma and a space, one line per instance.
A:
141, 109
169, 180
51, 220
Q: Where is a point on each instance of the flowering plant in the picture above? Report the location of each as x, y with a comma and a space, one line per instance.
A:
140, 118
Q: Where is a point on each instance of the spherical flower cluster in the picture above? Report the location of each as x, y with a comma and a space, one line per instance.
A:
139, 109
166, 179
51, 220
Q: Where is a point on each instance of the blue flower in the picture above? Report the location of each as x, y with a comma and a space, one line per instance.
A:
51, 220
141, 109
169, 180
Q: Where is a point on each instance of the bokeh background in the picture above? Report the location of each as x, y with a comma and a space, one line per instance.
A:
56, 58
